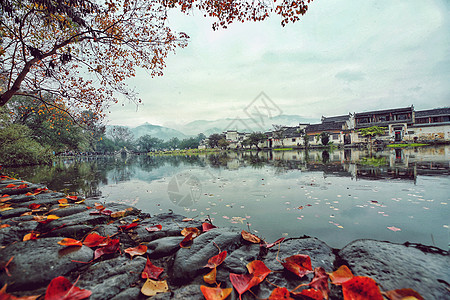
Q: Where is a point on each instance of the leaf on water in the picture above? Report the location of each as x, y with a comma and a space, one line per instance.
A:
138, 250
400, 294
250, 237
299, 264
61, 288
216, 293
393, 228
216, 260
70, 242
191, 230
152, 287
361, 287
154, 228
210, 278
320, 282
93, 239
280, 293
151, 271
207, 226
341, 275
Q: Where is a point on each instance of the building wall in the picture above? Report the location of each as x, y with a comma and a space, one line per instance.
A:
427, 133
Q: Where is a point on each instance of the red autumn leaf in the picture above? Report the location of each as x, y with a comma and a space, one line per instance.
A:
186, 241
280, 293
250, 237
311, 294
4, 266
5, 199
22, 186
207, 226
187, 219
70, 242
299, 264
113, 246
39, 190
361, 287
4, 226
187, 230
73, 198
403, 294
153, 228
30, 236
34, 206
320, 281
241, 282
151, 271
5, 195
63, 201
272, 244
138, 250
11, 185
216, 293
129, 226
259, 271
341, 275
61, 288
106, 212
216, 260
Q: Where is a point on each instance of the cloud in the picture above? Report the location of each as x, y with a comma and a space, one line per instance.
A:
350, 76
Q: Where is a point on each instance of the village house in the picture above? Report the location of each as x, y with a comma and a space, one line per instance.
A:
338, 128
432, 125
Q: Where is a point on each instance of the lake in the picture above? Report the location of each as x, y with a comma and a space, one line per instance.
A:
338, 196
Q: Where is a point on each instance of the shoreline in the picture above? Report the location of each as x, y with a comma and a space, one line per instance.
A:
116, 276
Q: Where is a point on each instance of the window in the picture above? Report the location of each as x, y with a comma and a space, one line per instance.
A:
311, 138
335, 136
293, 140
421, 120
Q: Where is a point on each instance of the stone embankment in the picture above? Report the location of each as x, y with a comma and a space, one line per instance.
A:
37, 261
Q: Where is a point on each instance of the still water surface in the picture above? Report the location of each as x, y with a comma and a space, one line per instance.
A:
396, 195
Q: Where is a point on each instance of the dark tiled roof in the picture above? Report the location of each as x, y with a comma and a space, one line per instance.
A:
393, 110
341, 119
324, 126
433, 112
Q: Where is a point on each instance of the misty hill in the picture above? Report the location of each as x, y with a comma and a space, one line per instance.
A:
157, 131
244, 125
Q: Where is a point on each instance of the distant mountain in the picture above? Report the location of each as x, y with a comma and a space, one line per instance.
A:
244, 125
157, 131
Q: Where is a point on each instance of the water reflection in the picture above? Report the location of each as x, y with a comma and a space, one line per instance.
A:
280, 193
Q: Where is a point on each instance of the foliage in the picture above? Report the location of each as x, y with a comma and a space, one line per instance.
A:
18, 148
146, 143
122, 136
223, 143
372, 131
255, 138
213, 139
406, 145
324, 138
83, 52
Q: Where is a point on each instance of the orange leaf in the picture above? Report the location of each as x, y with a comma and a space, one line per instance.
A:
250, 237
10, 185
73, 198
151, 271
241, 282
118, 214
186, 241
4, 226
93, 240
216, 260
70, 242
138, 250
61, 288
30, 236
341, 275
280, 293
52, 217
400, 294
312, 294
5, 199
299, 264
360, 288
320, 281
207, 226
187, 230
211, 276
151, 287
63, 201
216, 293
259, 271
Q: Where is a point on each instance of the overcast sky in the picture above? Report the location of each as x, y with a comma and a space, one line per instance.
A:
343, 56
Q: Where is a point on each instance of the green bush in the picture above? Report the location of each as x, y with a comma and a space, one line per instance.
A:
17, 148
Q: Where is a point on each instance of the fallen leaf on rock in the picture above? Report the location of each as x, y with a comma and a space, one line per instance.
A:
320, 282
187, 219
312, 294
79, 202
93, 239
61, 288
299, 264
63, 201
341, 275
403, 294
153, 228
280, 293
99, 206
4, 266
361, 287
191, 230
52, 217
186, 241
4, 226
5, 296
216, 293
211, 276
5, 199
73, 198
22, 186
241, 282
259, 271
70, 242
207, 226
216, 260
112, 246
34, 206
118, 214
250, 237
138, 250
151, 271
129, 226
11, 185
152, 287
272, 244
30, 236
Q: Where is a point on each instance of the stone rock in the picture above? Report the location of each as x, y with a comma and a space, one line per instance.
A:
37, 262
164, 246
130, 293
396, 266
16, 232
189, 262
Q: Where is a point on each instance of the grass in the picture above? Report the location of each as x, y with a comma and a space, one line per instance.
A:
283, 149
184, 152
406, 145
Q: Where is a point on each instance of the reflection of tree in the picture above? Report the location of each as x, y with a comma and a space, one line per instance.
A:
218, 160
255, 160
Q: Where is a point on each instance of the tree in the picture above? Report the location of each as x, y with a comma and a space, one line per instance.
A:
214, 139
189, 143
278, 132
147, 143
223, 144
173, 143
256, 138
122, 136
371, 132
324, 138
83, 51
